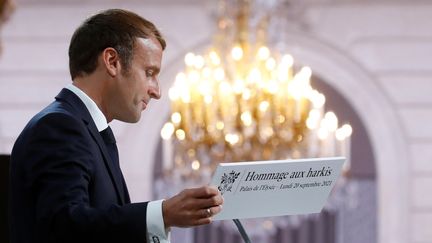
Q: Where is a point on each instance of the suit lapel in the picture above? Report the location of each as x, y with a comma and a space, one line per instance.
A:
81, 110
118, 184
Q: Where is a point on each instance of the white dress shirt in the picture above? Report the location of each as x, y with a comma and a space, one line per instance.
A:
156, 231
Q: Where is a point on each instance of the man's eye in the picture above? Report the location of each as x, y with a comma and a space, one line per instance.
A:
149, 73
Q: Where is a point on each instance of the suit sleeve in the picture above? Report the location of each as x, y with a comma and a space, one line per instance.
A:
60, 173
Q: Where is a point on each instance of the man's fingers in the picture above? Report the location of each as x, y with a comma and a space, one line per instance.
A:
204, 192
209, 202
209, 212
215, 210
205, 213
192, 207
203, 221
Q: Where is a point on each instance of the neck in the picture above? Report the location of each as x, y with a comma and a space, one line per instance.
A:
95, 88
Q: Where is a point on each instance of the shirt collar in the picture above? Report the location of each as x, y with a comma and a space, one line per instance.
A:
96, 114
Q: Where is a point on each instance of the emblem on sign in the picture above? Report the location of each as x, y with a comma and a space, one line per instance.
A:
227, 181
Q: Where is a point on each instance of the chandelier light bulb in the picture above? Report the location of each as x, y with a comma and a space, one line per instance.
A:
206, 73
180, 80
322, 133
189, 59
287, 60
195, 165
263, 106
238, 86
204, 88
294, 89
315, 114
167, 130
225, 87
318, 99
246, 94
307, 72
331, 121
272, 86
232, 138
176, 118
199, 62
263, 53
185, 97
237, 53
180, 134
340, 134
283, 72
194, 77
270, 64
281, 119
173, 94
313, 119
347, 130
311, 123
220, 125
254, 76
208, 99
219, 74
246, 118
214, 57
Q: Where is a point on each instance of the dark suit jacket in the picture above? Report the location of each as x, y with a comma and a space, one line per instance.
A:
64, 186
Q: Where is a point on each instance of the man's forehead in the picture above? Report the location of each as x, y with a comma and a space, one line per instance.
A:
149, 43
149, 52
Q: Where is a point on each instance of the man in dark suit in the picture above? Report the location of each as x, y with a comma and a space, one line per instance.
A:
66, 183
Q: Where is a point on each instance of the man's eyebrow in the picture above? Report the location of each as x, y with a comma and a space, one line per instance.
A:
154, 68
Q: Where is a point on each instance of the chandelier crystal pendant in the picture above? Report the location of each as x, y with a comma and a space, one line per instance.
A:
241, 101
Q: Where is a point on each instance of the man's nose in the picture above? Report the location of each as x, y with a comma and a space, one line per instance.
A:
154, 90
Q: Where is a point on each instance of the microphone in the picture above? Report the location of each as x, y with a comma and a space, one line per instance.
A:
242, 231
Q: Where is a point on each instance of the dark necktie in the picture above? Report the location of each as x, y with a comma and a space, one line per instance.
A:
110, 142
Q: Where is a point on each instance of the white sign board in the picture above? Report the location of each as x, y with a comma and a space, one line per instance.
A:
275, 188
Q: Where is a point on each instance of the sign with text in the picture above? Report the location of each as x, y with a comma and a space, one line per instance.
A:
275, 188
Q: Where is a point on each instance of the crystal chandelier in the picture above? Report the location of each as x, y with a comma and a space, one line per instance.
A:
241, 101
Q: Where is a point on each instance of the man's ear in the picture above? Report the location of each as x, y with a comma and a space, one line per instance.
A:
111, 61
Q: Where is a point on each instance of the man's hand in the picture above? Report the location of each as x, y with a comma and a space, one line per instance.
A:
192, 207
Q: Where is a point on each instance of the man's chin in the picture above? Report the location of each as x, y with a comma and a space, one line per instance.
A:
135, 120
131, 118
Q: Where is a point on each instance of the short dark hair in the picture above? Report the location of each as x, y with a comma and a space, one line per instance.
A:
114, 28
